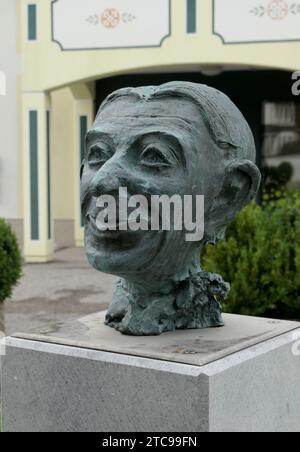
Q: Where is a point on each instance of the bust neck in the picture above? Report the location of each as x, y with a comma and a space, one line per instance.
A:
145, 308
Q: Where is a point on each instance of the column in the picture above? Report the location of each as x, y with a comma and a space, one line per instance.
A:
38, 227
83, 117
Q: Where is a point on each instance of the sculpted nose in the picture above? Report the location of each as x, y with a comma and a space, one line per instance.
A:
110, 177
104, 182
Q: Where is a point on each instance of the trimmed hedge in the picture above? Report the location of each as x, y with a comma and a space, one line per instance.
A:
261, 259
10, 260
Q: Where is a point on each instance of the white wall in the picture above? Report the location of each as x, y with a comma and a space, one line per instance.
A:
10, 204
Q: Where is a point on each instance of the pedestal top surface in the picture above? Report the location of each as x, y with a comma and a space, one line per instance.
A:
193, 347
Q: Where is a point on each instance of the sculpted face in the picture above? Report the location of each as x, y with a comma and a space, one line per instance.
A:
152, 149
176, 139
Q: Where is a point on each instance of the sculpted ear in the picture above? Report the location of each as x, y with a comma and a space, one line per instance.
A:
241, 183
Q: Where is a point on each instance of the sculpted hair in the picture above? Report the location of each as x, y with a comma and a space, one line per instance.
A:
226, 124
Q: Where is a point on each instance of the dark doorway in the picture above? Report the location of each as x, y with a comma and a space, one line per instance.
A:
247, 89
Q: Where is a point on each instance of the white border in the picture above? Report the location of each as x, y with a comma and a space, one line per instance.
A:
2, 83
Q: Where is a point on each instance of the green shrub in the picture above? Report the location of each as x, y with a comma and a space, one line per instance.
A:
10, 260
261, 259
275, 180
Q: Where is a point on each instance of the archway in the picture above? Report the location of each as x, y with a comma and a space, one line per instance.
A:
73, 109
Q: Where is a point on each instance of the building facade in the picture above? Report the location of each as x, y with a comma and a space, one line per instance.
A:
62, 57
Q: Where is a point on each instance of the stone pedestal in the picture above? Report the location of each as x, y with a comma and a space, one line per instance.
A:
86, 377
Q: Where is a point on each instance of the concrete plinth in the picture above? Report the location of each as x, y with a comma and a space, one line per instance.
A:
86, 377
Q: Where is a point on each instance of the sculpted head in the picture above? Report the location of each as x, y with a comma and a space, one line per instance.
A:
179, 138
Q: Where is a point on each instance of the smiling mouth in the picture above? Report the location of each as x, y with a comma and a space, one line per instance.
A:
101, 233
111, 234
112, 240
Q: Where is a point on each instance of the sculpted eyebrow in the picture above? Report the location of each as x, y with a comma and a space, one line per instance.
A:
94, 135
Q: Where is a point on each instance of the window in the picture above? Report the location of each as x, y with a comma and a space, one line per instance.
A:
281, 145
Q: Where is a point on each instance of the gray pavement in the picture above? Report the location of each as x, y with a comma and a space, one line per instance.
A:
51, 294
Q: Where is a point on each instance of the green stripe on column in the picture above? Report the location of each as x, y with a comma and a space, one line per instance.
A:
34, 183
191, 16
32, 34
49, 176
83, 132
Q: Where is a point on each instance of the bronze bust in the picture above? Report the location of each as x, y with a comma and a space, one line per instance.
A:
176, 139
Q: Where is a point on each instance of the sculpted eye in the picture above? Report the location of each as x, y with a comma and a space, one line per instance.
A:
225, 145
154, 157
98, 155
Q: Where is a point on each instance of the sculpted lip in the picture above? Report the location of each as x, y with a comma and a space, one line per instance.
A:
112, 234
96, 231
